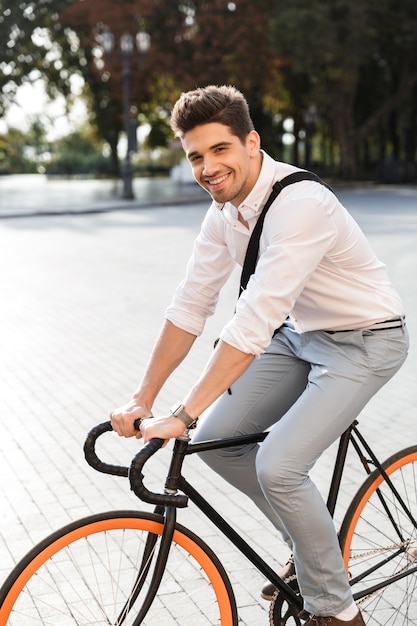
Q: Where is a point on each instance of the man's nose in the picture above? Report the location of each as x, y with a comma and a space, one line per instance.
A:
209, 167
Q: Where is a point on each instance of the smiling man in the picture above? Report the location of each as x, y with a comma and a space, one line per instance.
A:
226, 165
318, 321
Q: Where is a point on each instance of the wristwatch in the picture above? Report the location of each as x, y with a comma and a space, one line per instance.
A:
179, 411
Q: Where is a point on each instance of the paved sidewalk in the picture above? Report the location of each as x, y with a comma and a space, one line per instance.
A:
23, 195
82, 299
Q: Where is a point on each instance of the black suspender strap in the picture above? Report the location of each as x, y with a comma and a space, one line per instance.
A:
251, 257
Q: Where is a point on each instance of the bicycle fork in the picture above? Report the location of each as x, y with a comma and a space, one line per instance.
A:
161, 559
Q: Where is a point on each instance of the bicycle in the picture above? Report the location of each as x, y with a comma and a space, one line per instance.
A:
132, 567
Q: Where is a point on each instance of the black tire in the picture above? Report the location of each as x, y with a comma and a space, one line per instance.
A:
379, 541
84, 573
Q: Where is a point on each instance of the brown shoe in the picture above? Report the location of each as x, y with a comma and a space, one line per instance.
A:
333, 621
287, 573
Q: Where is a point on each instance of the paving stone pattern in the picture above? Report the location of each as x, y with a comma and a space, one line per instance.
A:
82, 298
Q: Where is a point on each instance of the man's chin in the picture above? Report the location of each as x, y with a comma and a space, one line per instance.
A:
221, 195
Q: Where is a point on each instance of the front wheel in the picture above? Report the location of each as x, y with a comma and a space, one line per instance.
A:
87, 573
378, 538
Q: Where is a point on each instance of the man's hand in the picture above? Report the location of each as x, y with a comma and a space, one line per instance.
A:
166, 428
123, 419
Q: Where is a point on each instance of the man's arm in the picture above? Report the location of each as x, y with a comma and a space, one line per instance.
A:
171, 347
225, 366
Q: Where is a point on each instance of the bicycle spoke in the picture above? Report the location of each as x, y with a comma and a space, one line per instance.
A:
379, 540
94, 580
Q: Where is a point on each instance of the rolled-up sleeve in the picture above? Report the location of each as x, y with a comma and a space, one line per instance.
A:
207, 271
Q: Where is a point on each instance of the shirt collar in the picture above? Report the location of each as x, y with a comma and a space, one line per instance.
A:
254, 201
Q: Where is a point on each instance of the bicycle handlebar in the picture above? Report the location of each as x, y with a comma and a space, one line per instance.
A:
134, 472
136, 478
91, 456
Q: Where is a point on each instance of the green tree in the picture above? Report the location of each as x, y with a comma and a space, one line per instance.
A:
27, 49
193, 43
332, 44
35, 43
24, 152
78, 153
228, 42
386, 115
353, 61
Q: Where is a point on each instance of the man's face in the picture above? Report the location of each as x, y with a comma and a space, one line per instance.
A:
221, 163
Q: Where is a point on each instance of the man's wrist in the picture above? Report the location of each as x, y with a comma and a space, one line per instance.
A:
141, 401
178, 410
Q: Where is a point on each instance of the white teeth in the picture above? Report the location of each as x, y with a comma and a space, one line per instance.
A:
218, 180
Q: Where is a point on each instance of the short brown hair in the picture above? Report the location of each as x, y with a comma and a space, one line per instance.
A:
223, 104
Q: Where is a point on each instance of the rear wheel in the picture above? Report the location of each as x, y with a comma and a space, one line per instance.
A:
378, 538
87, 572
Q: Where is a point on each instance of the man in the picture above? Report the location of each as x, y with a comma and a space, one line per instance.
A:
341, 335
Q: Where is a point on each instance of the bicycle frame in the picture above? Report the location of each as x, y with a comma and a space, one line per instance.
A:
167, 503
176, 481
135, 566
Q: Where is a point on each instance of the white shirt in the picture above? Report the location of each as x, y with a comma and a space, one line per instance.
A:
315, 266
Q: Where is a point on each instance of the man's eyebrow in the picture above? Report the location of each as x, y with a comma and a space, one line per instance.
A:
220, 144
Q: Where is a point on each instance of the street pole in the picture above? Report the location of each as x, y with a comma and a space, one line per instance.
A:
127, 167
127, 47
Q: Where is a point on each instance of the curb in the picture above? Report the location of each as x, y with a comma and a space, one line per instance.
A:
105, 207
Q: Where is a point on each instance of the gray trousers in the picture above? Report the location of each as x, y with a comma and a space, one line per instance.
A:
308, 389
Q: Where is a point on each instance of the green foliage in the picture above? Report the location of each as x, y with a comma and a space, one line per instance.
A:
357, 60
354, 62
192, 43
28, 152
13, 157
77, 154
23, 152
29, 36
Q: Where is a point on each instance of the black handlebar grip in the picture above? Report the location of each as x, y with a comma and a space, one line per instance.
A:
91, 456
136, 478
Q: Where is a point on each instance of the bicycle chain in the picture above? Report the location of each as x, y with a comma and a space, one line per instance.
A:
277, 598
377, 551
394, 546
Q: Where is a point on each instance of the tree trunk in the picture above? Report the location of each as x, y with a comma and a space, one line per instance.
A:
342, 113
406, 85
114, 157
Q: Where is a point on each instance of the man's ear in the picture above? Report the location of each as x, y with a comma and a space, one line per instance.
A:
253, 141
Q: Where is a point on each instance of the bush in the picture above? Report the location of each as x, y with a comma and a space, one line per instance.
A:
74, 163
78, 154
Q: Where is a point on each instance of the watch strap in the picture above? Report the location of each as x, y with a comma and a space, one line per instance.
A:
179, 411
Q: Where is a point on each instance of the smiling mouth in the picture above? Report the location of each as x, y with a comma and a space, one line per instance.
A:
214, 182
